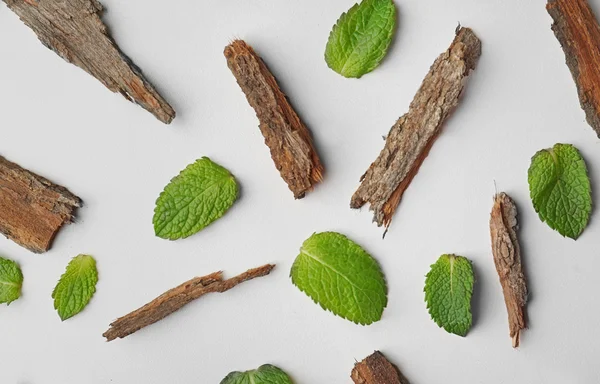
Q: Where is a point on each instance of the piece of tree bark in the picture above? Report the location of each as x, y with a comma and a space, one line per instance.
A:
285, 134
376, 369
507, 257
74, 30
411, 138
578, 32
174, 299
32, 208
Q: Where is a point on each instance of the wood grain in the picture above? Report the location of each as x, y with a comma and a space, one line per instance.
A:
376, 369
413, 135
578, 32
285, 134
507, 257
32, 208
174, 299
74, 30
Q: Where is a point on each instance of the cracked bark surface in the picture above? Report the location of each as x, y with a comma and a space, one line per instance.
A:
174, 299
578, 33
74, 30
32, 208
376, 369
507, 257
285, 134
411, 138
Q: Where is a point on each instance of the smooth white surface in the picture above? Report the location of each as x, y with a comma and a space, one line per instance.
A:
60, 122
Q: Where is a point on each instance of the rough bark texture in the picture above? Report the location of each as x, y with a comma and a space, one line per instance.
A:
74, 30
507, 257
578, 32
32, 209
376, 369
176, 298
286, 136
411, 138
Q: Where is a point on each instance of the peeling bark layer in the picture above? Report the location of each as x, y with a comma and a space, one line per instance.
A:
413, 135
376, 369
174, 299
507, 257
285, 134
578, 32
74, 30
32, 208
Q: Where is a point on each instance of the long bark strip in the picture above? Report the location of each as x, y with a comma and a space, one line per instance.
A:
413, 135
578, 32
376, 369
285, 134
507, 257
74, 30
32, 208
174, 299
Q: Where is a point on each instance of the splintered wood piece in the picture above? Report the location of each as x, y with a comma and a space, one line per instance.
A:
376, 369
32, 208
411, 138
74, 30
507, 257
174, 299
285, 134
578, 33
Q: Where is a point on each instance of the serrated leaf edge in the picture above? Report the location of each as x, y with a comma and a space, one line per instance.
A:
327, 309
54, 291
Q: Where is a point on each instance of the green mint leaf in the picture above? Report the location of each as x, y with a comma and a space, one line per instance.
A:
448, 291
560, 189
265, 374
11, 280
361, 38
75, 287
199, 195
341, 277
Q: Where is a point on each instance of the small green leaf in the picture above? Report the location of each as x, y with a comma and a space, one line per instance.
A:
341, 277
560, 189
199, 195
265, 374
11, 280
448, 291
361, 38
75, 287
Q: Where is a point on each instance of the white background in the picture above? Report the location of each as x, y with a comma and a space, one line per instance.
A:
58, 121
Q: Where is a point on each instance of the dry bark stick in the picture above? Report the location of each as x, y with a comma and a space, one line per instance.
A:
578, 32
285, 134
376, 369
174, 299
411, 138
74, 30
507, 257
32, 209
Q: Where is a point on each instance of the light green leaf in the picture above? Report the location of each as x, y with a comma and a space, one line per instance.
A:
560, 189
361, 38
75, 287
199, 195
448, 291
341, 277
265, 374
11, 280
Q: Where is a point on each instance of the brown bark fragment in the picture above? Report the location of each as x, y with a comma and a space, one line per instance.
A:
174, 299
507, 257
376, 369
74, 30
578, 33
32, 208
413, 135
285, 134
